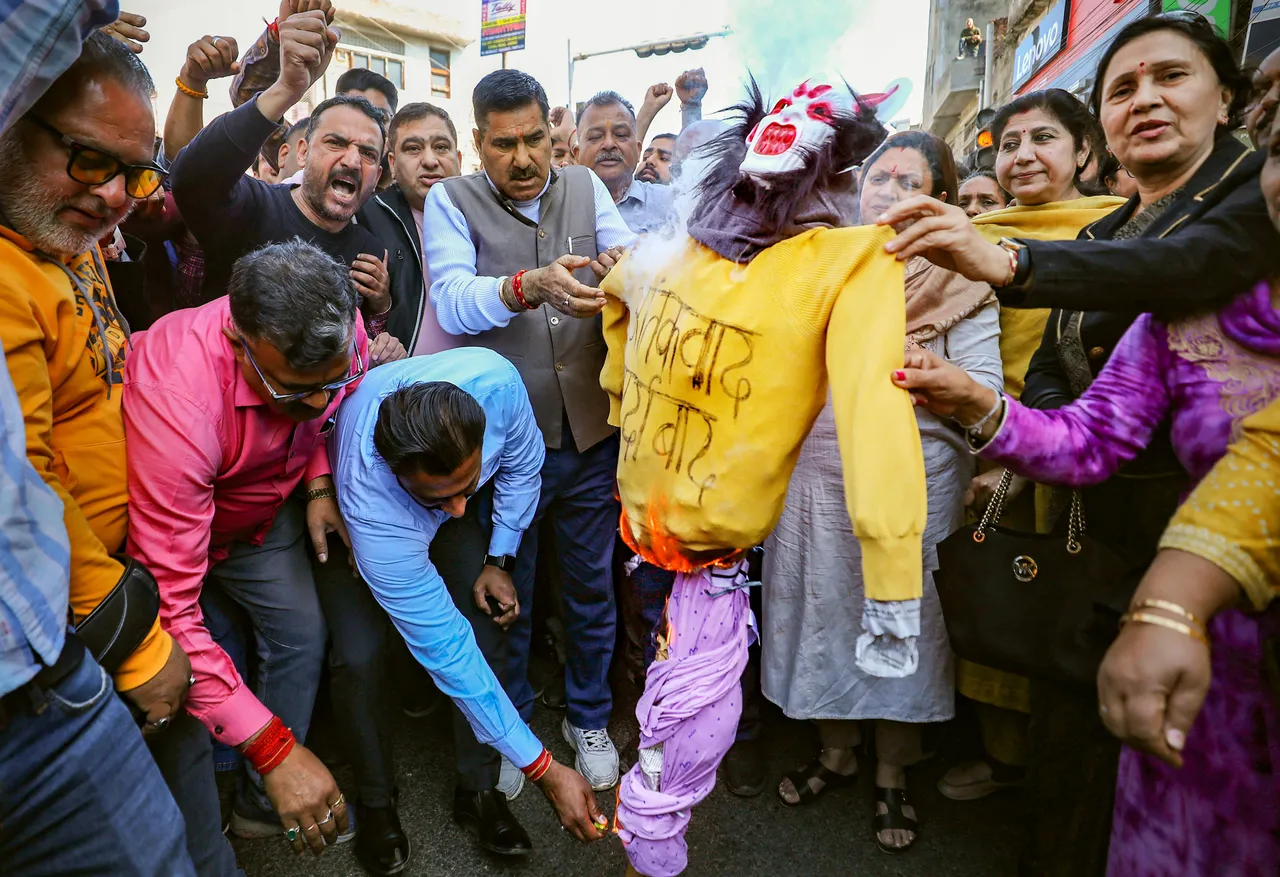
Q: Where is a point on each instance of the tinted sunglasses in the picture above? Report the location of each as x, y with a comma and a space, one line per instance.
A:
93, 167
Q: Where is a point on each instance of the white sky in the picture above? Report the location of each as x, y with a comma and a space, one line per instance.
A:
870, 42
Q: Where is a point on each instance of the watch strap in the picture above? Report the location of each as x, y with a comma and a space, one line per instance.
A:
504, 562
322, 493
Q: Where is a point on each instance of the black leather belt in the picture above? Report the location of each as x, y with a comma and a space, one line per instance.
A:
29, 699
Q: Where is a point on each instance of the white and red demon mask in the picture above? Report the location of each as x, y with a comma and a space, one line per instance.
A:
800, 126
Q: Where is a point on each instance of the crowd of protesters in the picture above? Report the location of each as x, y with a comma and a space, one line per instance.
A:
297, 403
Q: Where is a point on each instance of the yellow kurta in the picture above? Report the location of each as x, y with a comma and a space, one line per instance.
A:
1021, 329
1232, 518
716, 372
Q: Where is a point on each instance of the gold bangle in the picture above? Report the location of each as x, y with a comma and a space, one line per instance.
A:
1168, 606
189, 91
1013, 268
1167, 624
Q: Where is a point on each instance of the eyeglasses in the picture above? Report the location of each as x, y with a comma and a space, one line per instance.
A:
438, 504
93, 167
328, 389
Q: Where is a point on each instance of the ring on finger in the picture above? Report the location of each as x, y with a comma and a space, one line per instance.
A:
312, 828
293, 834
342, 799
327, 819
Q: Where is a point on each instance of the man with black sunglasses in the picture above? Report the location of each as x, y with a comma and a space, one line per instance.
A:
78, 789
438, 461
226, 408
64, 340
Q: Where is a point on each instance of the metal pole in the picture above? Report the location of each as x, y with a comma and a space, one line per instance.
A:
504, 60
568, 46
988, 65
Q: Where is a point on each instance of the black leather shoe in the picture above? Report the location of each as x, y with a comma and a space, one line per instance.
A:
486, 815
381, 845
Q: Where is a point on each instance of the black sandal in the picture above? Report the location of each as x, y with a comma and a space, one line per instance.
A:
895, 820
815, 771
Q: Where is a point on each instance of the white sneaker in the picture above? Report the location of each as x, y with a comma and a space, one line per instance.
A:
597, 758
510, 780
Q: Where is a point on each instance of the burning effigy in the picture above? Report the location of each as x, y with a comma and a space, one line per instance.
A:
723, 343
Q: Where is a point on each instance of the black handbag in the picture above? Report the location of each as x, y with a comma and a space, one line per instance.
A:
1037, 605
120, 623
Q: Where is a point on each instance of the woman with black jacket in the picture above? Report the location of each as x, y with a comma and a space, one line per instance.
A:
1196, 235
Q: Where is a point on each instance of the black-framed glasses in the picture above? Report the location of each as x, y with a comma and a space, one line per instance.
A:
296, 397
93, 167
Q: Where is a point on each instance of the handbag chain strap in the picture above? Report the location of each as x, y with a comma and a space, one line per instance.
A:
995, 508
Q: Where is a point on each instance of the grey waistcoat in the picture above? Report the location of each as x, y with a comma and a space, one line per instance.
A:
559, 357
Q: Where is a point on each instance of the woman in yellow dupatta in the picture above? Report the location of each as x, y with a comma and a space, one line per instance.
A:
1043, 140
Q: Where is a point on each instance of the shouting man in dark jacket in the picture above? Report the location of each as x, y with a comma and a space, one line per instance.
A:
423, 144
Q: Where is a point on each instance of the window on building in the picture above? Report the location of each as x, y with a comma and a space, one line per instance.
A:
440, 72
363, 47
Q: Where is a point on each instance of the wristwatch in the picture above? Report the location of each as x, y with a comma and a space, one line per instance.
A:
322, 493
1018, 261
504, 562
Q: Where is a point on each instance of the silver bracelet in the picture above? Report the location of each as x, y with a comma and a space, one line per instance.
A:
995, 409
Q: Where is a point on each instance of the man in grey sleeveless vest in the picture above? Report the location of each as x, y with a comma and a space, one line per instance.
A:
513, 253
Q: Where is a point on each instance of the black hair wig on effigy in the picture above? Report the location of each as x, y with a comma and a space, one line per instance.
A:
856, 137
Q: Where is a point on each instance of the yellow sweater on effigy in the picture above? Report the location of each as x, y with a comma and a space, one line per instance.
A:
716, 372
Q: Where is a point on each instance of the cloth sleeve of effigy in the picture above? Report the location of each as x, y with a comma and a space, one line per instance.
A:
716, 371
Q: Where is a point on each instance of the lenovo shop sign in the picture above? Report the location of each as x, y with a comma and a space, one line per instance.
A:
1038, 47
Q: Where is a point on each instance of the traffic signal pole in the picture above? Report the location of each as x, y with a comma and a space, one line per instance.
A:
643, 50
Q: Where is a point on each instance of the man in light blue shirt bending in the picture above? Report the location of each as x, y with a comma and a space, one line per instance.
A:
447, 446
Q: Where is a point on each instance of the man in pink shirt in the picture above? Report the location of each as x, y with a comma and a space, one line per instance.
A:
226, 410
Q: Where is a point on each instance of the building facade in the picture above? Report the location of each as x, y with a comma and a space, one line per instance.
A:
1034, 44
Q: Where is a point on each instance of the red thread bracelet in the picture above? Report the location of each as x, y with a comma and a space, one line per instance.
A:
540, 766
517, 288
273, 28
271, 747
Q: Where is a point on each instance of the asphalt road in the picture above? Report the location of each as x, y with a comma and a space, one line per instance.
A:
728, 837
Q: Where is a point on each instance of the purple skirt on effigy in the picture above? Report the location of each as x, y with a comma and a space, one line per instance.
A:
690, 706
1219, 816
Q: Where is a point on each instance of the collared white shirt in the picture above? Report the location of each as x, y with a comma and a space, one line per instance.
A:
647, 206
466, 304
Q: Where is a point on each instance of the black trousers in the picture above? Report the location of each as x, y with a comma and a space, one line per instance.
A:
458, 553
362, 640
359, 679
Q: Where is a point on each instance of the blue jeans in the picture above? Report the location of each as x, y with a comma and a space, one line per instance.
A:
79, 792
577, 488
271, 586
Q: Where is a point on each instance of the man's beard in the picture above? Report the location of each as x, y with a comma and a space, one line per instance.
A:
32, 211
316, 193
